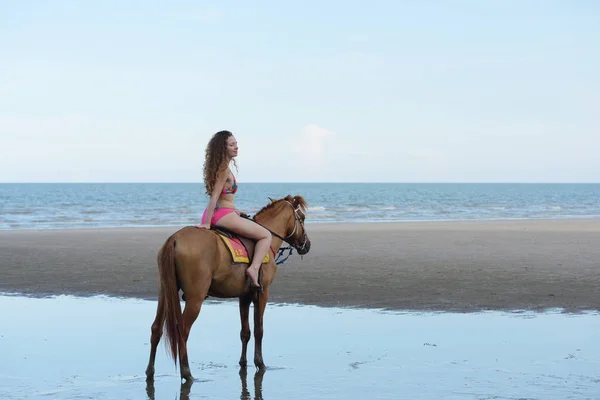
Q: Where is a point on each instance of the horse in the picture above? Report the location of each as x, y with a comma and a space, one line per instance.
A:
201, 264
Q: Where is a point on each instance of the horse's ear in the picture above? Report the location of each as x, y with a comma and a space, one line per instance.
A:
272, 200
299, 202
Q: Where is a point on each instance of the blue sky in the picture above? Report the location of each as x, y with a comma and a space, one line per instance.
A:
382, 91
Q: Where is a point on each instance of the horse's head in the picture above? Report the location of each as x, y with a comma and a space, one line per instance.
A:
291, 211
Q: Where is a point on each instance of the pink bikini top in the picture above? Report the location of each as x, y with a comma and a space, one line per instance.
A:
232, 189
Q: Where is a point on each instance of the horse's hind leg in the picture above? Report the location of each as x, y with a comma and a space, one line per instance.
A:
259, 310
157, 327
245, 332
190, 313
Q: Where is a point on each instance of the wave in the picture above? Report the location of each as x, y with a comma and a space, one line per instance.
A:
24, 206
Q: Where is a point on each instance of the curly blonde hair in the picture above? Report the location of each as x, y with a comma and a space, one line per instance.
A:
215, 158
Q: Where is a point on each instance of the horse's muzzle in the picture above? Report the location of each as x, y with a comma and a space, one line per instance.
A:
304, 249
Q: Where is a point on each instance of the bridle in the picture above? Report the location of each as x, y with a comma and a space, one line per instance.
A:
297, 220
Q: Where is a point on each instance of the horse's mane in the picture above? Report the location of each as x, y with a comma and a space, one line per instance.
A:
297, 201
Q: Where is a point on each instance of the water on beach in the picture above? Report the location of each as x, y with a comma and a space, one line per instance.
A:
98, 205
73, 348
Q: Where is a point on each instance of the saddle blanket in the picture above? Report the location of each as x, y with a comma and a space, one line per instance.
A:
239, 253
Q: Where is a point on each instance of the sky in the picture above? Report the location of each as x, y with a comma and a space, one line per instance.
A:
314, 91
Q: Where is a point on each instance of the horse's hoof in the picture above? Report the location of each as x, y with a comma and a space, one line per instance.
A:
186, 375
149, 374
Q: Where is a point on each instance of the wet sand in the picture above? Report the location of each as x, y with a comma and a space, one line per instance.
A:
445, 266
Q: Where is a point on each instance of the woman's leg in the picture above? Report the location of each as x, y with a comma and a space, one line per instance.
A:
252, 230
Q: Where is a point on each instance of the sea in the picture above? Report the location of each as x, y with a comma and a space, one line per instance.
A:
104, 205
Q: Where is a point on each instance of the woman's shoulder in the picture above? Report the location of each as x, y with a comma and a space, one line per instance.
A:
223, 171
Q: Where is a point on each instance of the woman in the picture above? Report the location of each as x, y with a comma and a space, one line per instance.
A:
221, 186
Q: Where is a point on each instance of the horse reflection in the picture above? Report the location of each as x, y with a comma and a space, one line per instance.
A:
186, 386
184, 390
258, 379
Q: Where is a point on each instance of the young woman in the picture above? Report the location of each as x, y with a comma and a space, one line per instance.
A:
221, 186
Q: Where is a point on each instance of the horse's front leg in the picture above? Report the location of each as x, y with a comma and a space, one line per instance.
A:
245, 332
259, 310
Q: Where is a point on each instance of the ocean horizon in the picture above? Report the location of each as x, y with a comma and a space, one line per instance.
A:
152, 204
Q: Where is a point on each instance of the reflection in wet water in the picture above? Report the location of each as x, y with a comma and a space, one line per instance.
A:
258, 378
71, 348
186, 387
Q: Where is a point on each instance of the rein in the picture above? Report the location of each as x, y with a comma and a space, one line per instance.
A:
282, 250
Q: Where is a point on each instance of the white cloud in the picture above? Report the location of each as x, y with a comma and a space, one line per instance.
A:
311, 153
312, 141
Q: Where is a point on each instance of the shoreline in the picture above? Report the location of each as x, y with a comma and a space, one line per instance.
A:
465, 266
332, 224
272, 303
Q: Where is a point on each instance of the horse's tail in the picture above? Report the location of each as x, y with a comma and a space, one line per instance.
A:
169, 293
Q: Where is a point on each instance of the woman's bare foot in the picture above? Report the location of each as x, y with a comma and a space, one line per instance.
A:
253, 274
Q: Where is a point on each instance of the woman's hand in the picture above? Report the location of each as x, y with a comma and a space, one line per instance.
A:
241, 213
203, 226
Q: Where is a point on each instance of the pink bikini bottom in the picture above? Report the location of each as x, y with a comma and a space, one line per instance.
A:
217, 215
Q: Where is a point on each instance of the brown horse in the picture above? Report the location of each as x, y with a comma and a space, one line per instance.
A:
197, 261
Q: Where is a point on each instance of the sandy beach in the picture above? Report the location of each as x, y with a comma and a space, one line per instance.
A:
444, 266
